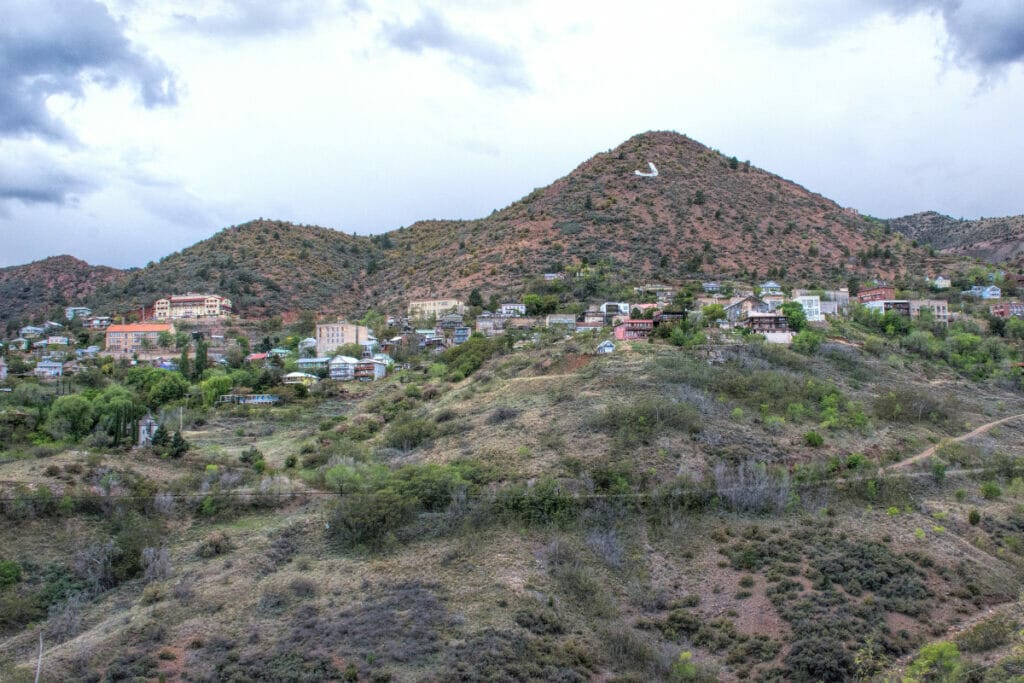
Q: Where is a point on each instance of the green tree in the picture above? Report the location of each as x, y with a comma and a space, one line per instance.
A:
807, 342
169, 387
160, 437
795, 316
712, 313
201, 361
215, 387
178, 445
475, 299
71, 416
937, 662
116, 410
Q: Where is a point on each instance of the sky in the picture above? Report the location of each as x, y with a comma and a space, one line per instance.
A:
131, 129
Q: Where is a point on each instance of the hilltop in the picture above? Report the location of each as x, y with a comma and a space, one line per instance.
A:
996, 240
705, 215
55, 281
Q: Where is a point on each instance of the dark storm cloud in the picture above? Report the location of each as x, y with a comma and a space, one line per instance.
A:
488, 63
55, 47
252, 18
985, 35
35, 178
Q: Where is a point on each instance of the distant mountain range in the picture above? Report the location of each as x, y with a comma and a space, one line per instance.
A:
704, 215
996, 240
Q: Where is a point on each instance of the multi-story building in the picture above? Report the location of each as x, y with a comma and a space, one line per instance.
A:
330, 336
763, 323
72, 312
633, 329
812, 308
1007, 309
435, 308
938, 307
901, 306
124, 341
191, 305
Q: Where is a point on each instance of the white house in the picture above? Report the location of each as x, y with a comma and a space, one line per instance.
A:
512, 310
49, 368
615, 308
343, 367
72, 312
981, 292
812, 308
770, 287
941, 282
606, 346
3, 369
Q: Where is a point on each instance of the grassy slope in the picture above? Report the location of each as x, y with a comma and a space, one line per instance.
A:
611, 592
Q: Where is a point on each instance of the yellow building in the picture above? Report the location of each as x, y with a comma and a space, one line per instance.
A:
191, 305
329, 336
435, 308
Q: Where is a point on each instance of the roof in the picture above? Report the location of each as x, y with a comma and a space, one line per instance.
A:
344, 359
141, 327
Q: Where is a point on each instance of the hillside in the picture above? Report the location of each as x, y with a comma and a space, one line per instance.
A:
39, 286
264, 267
996, 240
704, 215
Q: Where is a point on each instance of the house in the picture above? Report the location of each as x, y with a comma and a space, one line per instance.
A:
331, 336
901, 306
982, 292
278, 352
124, 341
90, 351
450, 321
738, 307
72, 312
31, 332
434, 308
551, 277
191, 305
812, 308
879, 293
49, 368
774, 301
711, 287
147, 428
770, 287
57, 341
941, 282
764, 323
633, 329
606, 347
343, 368
249, 399
3, 369
256, 358
307, 344
489, 324
839, 297
461, 335
1007, 309
614, 308
303, 378
307, 364
512, 310
368, 370
563, 319
50, 326
594, 315
19, 343
660, 292
589, 326
100, 322
938, 308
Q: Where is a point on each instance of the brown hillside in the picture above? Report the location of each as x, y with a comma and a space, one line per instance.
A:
703, 215
996, 240
41, 287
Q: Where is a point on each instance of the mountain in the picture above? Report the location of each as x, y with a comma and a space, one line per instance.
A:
996, 240
263, 266
37, 287
703, 215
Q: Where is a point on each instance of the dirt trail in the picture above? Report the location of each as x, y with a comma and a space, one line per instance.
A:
928, 452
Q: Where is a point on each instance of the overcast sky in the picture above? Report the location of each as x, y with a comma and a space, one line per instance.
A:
130, 129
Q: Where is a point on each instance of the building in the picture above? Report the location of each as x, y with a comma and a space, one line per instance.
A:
512, 310
434, 308
461, 335
711, 287
191, 305
770, 287
147, 428
1007, 309
879, 293
941, 282
812, 308
249, 399
490, 325
765, 323
633, 329
125, 341
567, 320
49, 368
660, 292
57, 341
370, 369
610, 308
303, 378
309, 364
72, 312
901, 306
3, 369
331, 336
100, 322
606, 346
343, 368
31, 332
738, 307
938, 308
980, 292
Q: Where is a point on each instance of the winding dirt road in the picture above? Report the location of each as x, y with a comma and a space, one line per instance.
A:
928, 452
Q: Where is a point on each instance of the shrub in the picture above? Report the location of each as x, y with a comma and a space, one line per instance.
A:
814, 439
936, 662
215, 543
987, 635
10, 573
369, 519
642, 420
406, 433
990, 490
973, 517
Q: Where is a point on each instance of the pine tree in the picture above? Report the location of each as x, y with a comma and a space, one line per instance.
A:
178, 445
160, 437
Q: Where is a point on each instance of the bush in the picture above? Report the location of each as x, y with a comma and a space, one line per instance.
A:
973, 517
407, 433
990, 490
10, 573
814, 439
642, 420
369, 519
987, 635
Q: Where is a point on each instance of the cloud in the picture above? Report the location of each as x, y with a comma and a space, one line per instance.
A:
31, 176
490, 64
984, 35
255, 18
55, 47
